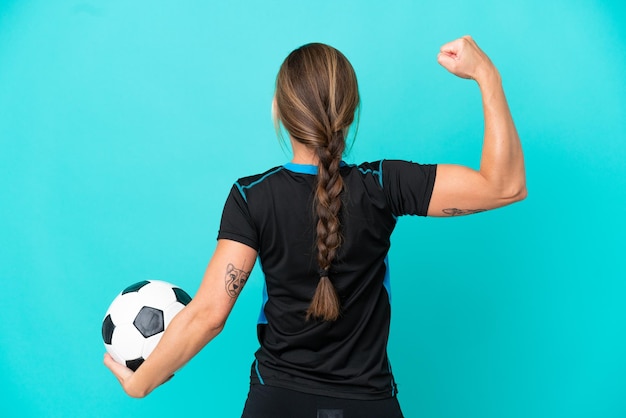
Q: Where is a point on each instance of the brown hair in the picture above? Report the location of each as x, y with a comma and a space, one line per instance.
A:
316, 99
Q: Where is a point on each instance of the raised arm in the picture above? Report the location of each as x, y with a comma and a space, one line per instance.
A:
501, 179
197, 324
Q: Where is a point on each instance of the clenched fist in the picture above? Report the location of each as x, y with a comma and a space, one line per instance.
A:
463, 58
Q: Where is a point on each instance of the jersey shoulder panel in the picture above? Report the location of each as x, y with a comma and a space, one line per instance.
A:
372, 170
244, 184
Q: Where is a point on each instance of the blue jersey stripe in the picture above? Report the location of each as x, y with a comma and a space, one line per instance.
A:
377, 173
306, 168
258, 374
242, 189
262, 319
387, 280
301, 168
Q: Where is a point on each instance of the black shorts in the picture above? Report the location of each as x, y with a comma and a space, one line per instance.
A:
272, 402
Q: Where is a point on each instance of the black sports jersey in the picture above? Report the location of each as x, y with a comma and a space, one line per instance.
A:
273, 213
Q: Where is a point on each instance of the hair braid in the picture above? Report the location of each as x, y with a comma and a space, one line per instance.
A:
325, 304
316, 100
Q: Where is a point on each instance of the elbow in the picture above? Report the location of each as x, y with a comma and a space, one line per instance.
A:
523, 194
216, 327
521, 191
212, 326
207, 321
210, 331
516, 194
134, 391
137, 394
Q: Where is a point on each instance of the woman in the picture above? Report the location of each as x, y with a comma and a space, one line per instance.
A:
321, 230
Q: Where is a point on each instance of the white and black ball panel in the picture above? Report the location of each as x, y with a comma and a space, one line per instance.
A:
134, 363
107, 329
124, 308
135, 287
158, 293
111, 350
171, 311
150, 344
134, 323
182, 296
127, 341
149, 321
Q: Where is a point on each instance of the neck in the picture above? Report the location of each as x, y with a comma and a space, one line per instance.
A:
303, 154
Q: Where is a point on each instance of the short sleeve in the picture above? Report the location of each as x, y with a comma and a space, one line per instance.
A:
408, 186
237, 224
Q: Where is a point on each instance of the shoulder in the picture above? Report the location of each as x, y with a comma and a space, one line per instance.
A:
253, 180
389, 172
393, 169
367, 169
381, 169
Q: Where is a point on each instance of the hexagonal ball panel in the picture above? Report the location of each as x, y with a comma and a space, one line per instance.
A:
158, 294
149, 321
127, 341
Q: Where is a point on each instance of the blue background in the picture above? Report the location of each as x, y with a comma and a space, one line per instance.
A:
124, 123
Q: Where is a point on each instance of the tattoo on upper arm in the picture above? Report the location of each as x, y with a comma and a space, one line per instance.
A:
460, 212
235, 280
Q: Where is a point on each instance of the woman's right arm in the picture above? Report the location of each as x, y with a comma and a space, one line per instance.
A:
197, 324
501, 179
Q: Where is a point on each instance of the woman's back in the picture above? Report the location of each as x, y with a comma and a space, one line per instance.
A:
272, 213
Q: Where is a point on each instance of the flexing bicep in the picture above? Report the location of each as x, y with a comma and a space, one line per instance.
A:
224, 279
460, 190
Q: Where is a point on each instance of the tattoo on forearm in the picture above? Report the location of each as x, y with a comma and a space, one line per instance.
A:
460, 212
235, 280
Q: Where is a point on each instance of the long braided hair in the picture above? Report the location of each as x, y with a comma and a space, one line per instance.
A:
316, 99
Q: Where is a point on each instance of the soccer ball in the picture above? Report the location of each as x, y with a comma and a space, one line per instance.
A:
137, 317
